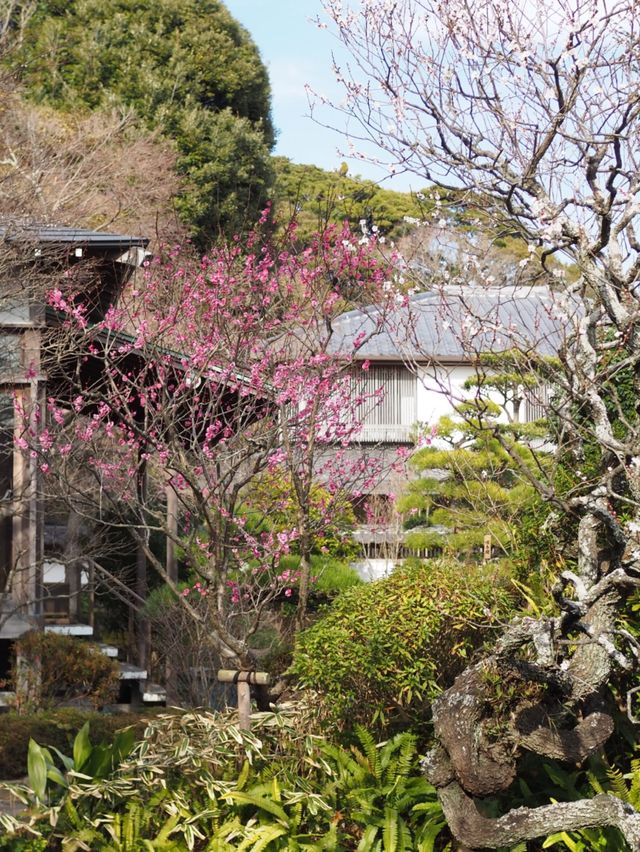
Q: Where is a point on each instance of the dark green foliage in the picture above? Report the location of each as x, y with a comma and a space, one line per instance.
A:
61, 669
315, 197
151, 56
228, 168
383, 794
24, 844
386, 649
56, 728
185, 67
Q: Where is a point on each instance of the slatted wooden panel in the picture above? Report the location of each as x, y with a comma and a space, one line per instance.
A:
536, 403
390, 407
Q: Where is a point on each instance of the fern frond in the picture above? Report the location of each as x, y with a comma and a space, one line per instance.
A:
370, 750
390, 830
618, 783
407, 756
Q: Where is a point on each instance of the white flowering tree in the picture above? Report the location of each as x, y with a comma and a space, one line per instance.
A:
533, 109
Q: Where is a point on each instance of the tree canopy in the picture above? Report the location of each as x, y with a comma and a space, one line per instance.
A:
186, 68
316, 196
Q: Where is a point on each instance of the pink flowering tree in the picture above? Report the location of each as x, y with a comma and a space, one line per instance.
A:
167, 411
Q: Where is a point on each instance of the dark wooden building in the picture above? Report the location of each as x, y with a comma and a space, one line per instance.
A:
32, 260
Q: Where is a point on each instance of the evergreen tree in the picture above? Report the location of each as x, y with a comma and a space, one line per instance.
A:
316, 196
185, 67
468, 486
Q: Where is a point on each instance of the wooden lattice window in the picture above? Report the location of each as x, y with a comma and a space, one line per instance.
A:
536, 403
389, 409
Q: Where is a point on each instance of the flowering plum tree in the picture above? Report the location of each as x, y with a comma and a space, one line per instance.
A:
207, 375
534, 109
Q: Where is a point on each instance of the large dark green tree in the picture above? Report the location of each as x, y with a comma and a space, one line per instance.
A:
185, 67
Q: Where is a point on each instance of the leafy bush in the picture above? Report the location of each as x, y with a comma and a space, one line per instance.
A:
50, 778
68, 670
197, 782
330, 576
386, 649
55, 729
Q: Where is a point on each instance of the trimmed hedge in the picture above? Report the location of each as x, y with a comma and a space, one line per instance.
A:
55, 728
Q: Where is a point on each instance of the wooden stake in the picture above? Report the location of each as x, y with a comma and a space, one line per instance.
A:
244, 705
243, 681
487, 547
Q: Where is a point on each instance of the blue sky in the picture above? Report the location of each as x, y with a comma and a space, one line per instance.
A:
296, 53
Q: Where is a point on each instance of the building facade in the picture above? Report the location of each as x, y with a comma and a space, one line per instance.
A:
32, 261
420, 361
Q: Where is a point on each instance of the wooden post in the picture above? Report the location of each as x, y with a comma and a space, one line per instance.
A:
171, 676
73, 565
243, 681
244, 705
92, 592
172, 529
24, 584
142, 625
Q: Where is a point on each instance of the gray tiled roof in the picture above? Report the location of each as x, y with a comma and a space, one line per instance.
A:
62, 236
455, 323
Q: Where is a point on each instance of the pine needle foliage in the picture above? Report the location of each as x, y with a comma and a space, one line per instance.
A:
469, 486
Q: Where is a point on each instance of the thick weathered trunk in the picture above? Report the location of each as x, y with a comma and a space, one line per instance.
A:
521, 824
553, 675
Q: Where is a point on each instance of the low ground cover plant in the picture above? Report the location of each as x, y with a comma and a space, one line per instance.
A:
56, 728
197, 782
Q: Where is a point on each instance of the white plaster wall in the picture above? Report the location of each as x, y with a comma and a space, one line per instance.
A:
374, 569
438, 390
55, 572
441, 388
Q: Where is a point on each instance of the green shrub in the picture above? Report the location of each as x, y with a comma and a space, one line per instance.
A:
197, 782
24, 844
386, 649
333, 576
56, 728
69, 670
